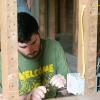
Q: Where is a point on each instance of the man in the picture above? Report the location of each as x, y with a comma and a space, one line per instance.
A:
42, 63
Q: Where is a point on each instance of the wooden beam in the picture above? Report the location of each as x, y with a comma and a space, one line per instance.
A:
35, 9
63, 14
9, 49
42, 18
75, 28
51, 19
80, 4
0, 27
93, 97
91, 46
87, 43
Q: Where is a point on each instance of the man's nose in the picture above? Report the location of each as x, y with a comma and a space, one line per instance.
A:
30, 50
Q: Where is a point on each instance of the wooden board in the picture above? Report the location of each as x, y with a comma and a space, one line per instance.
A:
51, 19
0, 27
75, 28
9, 49
91, 46
42, 18
87, 55
93, 97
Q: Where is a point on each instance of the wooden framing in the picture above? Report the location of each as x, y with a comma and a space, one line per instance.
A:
42, 19
75, 28
87, 43
63, 20
35, 9
0, 28
86, 51
9, 49
47, 18
93, 97
52, 19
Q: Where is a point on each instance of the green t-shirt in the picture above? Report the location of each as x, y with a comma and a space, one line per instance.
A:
34, 72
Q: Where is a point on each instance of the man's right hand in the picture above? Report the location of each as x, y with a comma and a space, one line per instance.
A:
39, 93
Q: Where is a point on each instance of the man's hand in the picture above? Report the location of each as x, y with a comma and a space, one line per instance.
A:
58, 80
39, 93
36, 94
1, 97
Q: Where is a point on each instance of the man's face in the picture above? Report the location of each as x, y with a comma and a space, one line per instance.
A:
30, 49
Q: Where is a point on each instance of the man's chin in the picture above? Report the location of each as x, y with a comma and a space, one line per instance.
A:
32, 55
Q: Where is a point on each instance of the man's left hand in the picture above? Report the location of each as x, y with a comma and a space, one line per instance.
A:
58, 80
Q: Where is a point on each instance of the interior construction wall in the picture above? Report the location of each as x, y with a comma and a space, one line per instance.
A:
56, 21
98, 37
0, 28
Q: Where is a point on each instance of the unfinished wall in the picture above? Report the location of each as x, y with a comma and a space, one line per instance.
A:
9, 52
56, 21
0, 28
98, 37
35, 9
65, 24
